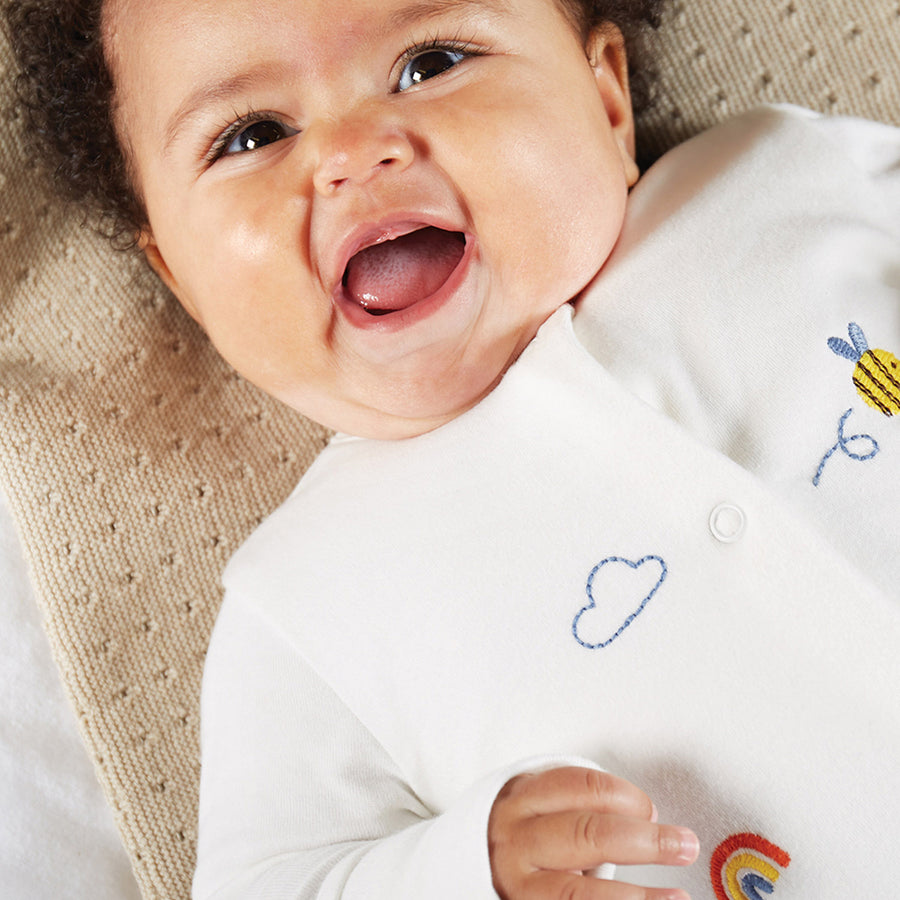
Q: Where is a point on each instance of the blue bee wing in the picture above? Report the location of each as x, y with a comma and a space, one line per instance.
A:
858, 338
842, 348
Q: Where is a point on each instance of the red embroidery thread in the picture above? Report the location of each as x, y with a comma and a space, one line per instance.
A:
739, 851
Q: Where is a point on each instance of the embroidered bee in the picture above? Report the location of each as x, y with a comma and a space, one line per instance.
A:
877, 372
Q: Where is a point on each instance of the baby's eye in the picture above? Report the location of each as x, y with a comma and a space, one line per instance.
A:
428, 63
246, 136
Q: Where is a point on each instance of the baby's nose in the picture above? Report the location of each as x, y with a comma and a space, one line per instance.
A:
357, 149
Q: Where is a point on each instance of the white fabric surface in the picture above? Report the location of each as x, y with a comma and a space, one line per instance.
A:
57, 837
402, 629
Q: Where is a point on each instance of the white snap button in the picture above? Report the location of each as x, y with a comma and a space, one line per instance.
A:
727, 523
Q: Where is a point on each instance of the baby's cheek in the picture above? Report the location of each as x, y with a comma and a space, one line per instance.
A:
245, 244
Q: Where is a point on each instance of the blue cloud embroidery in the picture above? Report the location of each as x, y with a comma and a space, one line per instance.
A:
591, 627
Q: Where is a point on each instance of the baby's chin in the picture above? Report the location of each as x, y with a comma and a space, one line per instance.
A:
376, 424
401, 415
406, 399
381, 426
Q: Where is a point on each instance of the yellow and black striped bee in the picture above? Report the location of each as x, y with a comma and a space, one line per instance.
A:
877, 372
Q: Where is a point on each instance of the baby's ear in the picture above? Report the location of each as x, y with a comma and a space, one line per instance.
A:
154, 257
606, 52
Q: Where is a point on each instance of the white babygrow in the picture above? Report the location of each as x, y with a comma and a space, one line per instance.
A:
667, 544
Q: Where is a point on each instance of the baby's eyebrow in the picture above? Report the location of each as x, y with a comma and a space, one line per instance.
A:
426, 9
217, 92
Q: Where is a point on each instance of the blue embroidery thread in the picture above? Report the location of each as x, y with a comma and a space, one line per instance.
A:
843, 445
753, 884
877, 373
664, 571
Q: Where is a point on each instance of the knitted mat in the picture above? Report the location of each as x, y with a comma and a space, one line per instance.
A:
135, 461
719, 57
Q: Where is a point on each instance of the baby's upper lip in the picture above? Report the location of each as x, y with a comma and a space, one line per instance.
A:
386, 228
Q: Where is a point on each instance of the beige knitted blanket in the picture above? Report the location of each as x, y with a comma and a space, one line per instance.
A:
135, 461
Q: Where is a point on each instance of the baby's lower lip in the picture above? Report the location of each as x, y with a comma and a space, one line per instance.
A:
389, 320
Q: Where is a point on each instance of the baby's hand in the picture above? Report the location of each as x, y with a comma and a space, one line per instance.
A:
545, 830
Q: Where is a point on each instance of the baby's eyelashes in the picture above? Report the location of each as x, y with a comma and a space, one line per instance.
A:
428, 63
430, 59
249, 133
418, 64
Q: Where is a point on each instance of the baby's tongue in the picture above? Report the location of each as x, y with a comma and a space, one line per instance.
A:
393, 275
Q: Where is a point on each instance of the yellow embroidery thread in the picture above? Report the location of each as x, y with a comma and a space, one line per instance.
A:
877, 373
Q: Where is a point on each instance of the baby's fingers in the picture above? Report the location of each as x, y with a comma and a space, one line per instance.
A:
584, 839
547, 828
571, 787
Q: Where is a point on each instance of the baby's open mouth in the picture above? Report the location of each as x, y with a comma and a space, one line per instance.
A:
393, 275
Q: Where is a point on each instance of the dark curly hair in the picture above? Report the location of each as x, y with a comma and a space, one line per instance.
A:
67, 91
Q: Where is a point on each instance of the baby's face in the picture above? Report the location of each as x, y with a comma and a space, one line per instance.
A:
371, 206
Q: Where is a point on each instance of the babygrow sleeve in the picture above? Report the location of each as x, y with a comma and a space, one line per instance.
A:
873, 150
299, 800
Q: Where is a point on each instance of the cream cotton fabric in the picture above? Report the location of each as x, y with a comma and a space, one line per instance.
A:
135, 461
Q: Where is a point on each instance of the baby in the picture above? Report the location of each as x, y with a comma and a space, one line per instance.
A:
623, 537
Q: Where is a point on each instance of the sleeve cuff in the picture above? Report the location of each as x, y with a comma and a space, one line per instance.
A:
447, 857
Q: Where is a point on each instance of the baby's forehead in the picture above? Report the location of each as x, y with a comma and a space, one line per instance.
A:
214, 36
117, 13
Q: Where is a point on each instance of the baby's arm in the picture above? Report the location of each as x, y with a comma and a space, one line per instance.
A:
546, 829
295, 793
298, 799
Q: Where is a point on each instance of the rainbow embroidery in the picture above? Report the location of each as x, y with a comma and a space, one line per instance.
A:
746, 867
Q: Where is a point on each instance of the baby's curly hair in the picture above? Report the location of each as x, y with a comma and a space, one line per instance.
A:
67, 91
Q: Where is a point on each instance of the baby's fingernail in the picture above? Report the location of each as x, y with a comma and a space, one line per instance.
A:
690, 846
654, 813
